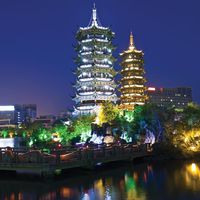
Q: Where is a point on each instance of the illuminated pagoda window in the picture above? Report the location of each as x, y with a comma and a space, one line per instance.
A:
95, 73
132, 86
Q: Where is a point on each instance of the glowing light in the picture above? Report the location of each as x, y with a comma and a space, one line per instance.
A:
134, 85
65, 192
86, 197
85, 60
126, 137
151, 89
87, 40
193, 148
55, 137
134, 103
193, 170
86, 79
86, 53
102, 40
129, 60
85, 66
104, 66
96, 139
7, 108
104, 79
7, 142
109, 139
130, 77
193, 167
133, 94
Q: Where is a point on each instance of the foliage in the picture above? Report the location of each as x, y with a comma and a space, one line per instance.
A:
107, 113
8, 133
142, 120
190, 140
81, 127
179, 129
63, 133
191, 116
40, 137
182, 129
4, 133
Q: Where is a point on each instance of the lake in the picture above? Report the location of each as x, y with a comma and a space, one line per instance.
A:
120, 181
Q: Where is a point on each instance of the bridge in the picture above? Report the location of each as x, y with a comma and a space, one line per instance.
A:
40, 162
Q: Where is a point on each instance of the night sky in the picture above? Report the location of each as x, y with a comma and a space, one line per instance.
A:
37, 38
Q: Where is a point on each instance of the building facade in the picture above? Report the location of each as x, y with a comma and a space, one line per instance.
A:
132, 82
45, 120
25, 113
170, 97
95, 73
16, 115
7, 116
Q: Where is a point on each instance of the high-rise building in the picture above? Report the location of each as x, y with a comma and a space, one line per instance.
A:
7, 116
25, 113
95, 73
170, 97
132, 82
15, 115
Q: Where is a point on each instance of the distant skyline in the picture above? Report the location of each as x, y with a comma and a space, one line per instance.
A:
37, 39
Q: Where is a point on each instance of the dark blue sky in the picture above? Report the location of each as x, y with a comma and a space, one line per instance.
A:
37, 38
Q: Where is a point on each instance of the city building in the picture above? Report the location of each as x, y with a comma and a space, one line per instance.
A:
16, 115
95, 73
7, 116
132, 82
25, 113
170, 97
64, 115
45, 120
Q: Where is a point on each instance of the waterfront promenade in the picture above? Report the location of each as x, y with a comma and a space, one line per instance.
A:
40, 162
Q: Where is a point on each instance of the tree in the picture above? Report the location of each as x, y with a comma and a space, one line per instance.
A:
63, 133
107, 113
81, 127
191, 115
183, 129
4, 133
40, 137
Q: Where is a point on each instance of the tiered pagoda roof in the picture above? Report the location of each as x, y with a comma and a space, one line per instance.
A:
132, 86
95, 73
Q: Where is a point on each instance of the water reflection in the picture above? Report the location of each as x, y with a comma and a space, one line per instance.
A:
193, 170
192, 176
170, 180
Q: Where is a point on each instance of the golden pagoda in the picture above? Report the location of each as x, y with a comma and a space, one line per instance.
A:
132, 82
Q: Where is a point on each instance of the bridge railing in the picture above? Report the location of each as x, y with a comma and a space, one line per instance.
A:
65, 155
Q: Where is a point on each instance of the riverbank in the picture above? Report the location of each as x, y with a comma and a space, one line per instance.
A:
164, 151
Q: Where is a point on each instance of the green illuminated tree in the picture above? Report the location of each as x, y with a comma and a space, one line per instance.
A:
40, 137
4, 133
63, 133
81, 127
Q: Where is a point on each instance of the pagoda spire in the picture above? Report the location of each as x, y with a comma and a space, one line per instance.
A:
131, 44
94, 16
